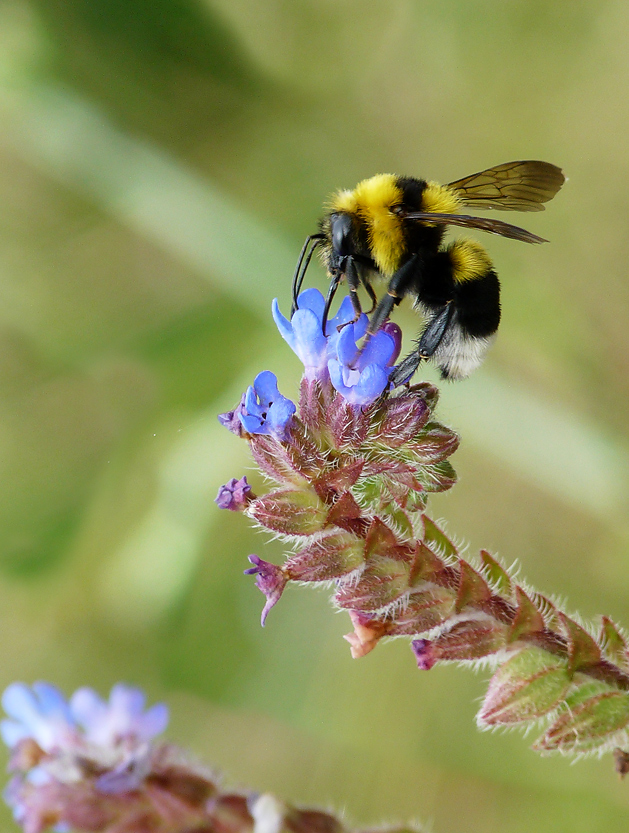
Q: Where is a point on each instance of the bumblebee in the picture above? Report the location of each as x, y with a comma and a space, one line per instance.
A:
392, 227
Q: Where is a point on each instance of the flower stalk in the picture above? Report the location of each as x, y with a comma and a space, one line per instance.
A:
352, 468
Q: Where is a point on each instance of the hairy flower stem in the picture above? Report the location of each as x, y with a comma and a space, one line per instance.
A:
352, 483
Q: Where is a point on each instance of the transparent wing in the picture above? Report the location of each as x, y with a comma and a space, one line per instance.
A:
514, 186
482, 223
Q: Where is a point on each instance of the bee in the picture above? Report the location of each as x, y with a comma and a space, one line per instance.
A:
392, 227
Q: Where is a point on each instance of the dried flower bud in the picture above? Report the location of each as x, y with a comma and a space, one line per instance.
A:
367, 633
621, 761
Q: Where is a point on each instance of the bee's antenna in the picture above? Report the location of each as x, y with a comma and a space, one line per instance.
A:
305, 257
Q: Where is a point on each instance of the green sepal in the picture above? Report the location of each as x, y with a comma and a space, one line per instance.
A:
424, 610
433, 444
587, 721
527, 619
290, 511
583, 650
614, 643
337, 480
548, 610
496, 574
473, 589
382, 582
436, 538
426, 565
470, 639
526, 687
327, 558
347, 514
438, 478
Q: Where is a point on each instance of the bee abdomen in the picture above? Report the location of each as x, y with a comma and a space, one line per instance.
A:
476, 314
476, 288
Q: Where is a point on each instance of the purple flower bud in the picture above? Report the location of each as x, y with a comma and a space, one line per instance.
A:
422, 648
231, 419
265, 410
234, 495
270, 580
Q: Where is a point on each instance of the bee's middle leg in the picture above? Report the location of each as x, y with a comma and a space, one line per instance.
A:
397, 288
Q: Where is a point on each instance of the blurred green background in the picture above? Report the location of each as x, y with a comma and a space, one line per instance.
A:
161, 162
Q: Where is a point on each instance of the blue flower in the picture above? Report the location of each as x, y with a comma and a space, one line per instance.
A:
265, 410
304, 332
361, 375
40, 713
43, 714
122, 719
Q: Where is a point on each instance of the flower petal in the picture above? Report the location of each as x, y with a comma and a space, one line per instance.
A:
373, 380
265, 387
378, 350
313, 300
346, 350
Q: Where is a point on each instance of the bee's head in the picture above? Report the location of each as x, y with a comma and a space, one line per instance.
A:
341, 233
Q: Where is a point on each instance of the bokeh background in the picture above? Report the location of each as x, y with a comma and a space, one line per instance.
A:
161, 162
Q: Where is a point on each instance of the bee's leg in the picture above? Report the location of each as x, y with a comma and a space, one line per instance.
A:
372, 295
428, 343
398, 285
353, 282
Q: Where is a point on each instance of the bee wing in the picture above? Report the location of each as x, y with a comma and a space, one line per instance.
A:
482, 223
514, 186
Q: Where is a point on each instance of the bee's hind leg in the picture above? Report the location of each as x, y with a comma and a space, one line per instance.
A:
427, 345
